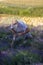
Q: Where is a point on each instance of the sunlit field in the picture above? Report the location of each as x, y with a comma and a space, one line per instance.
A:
28, 11
24, 2
21, 11
24, 51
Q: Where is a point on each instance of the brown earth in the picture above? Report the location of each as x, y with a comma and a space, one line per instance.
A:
7, 19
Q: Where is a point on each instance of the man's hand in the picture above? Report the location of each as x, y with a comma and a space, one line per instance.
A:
19, 34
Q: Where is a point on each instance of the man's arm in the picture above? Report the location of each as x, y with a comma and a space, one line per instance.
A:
22, 33
13, 31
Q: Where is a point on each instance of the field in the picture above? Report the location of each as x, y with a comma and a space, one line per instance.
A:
24, 2
28, 51
12, 9
30, 11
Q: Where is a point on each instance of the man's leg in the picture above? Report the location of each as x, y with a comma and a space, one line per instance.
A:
13, 40
28, 36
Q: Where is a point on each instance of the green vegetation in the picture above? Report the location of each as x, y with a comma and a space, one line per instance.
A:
22, 57
29, 11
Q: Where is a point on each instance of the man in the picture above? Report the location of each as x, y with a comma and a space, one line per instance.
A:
19, 29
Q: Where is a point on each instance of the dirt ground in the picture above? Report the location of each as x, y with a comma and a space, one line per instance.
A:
7, 20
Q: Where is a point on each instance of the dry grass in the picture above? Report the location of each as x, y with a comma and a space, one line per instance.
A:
25, 2
35, 21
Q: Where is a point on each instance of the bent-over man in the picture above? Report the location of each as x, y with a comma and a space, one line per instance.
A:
19, 29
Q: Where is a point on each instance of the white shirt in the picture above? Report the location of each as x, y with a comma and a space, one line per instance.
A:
19, 27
